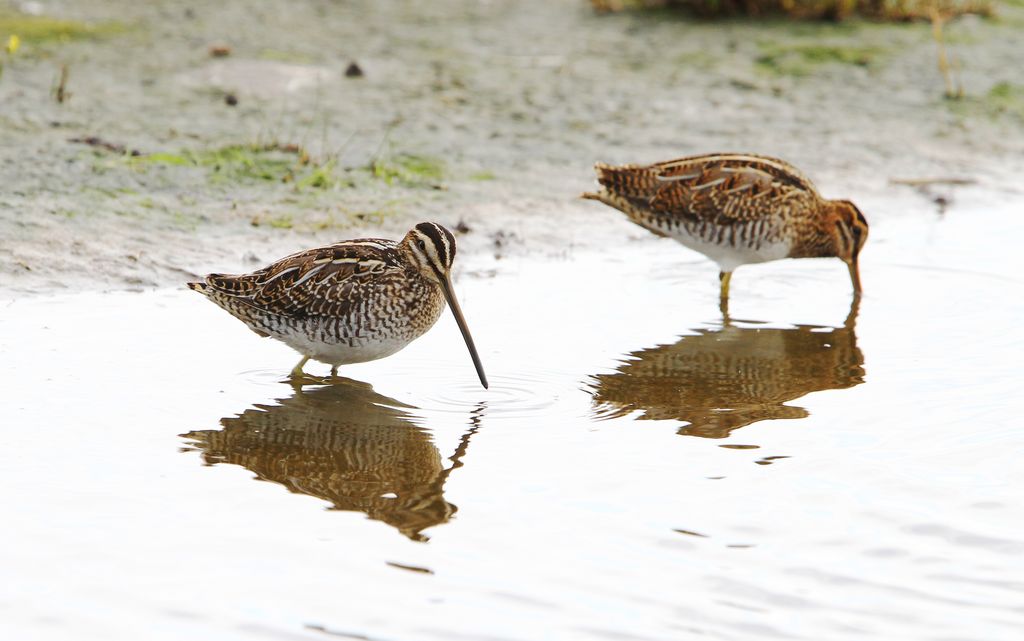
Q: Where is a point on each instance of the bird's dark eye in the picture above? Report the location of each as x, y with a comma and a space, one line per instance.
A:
422, 245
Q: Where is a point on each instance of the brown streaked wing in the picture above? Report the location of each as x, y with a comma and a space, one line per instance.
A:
777, 168
315, 282
727, 194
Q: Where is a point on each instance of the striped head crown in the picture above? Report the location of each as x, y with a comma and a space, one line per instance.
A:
433, 248
849, 235
851, 229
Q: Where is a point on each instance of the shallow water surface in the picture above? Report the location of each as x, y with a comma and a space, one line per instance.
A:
641, 467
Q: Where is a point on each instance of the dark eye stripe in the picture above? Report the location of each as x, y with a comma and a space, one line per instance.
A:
441, 239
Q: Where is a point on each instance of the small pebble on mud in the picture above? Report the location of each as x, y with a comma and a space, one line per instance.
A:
220, 51
353, 70
231, 100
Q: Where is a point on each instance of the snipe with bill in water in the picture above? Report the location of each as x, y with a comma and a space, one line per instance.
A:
350, 302
736, 209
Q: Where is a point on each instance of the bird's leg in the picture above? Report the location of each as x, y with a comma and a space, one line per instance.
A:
297, 370
723, 278
334, 370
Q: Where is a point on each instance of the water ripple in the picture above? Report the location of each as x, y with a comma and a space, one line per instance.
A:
510, 396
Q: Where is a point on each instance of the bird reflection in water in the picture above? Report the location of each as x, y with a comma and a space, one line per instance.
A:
346, 444
719, 380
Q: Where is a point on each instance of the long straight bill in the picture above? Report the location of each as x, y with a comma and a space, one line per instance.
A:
446, 287
854, 275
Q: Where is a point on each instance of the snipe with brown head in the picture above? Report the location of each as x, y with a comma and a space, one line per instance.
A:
736, 209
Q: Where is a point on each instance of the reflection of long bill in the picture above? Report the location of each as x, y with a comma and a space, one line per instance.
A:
449, 295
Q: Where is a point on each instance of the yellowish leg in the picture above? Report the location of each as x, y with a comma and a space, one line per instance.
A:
297, 370
723, 300
723, 278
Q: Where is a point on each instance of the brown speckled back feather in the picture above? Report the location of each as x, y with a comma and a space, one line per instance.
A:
736, 209
328, 277
722, 189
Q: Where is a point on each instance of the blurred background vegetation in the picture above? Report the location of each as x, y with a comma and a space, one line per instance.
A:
822, 9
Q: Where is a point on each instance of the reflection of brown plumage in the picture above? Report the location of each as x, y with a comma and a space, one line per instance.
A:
343, 443
721, 380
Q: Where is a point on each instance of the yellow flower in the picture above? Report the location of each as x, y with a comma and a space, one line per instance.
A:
13, 43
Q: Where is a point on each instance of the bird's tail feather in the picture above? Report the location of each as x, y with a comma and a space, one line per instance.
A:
629, 181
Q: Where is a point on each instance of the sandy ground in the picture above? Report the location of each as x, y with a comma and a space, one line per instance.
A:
510, 102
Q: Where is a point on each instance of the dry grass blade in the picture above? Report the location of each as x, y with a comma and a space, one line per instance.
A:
61, 93
924, 182
954, 89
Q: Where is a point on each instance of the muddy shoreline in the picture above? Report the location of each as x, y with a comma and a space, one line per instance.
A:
484, 114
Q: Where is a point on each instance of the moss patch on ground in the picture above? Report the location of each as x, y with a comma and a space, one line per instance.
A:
253, 163
805, 59
292, 164
231, 163
39, 29
1006, 97
1003, 99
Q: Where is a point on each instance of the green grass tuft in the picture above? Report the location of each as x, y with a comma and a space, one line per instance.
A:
284, 221
409, 169
1005, 97
245, 162
325, 176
